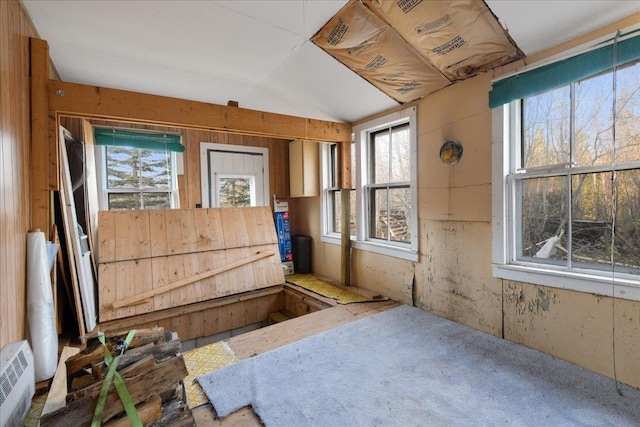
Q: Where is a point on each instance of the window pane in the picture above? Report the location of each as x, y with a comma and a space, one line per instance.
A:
628, 114
124, 201
400, 165
591, 218
333, 168
123, 166
399, 214
378, 214
543, 203
380, 157
546, 128
336, 200
155, 169
156, 200
234, 192
594, 121
627, 243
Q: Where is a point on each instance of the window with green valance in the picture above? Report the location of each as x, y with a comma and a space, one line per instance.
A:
561, 73
141, 140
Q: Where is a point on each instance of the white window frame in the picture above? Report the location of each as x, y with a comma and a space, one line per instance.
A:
505, 142
250, 178
103, 191
407, 251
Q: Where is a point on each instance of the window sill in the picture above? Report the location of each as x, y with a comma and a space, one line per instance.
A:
622, 286
396, 252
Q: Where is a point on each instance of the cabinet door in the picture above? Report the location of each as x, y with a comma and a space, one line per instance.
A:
303, 169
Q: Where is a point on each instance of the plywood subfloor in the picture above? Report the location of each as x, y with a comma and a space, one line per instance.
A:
278, 335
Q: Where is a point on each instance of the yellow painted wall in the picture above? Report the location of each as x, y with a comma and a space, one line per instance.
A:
453, 277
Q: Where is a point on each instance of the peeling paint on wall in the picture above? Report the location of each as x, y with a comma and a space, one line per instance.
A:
540, 302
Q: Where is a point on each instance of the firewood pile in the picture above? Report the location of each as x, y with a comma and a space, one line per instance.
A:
152, 370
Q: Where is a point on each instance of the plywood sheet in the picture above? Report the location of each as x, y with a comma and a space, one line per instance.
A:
411, 48
142, 251
459, 38
363, 42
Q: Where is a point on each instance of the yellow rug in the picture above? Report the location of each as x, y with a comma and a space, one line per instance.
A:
201, 360
312, 283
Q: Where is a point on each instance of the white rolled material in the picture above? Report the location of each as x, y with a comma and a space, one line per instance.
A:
40, 314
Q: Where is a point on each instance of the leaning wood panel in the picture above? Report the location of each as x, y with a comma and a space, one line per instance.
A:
156, 270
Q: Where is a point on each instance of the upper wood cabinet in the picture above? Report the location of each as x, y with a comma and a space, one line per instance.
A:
303, 169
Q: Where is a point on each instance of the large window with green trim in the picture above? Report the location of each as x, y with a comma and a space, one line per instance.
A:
138, 169
567, 182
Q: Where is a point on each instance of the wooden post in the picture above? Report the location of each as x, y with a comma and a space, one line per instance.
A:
39, 79
345, 229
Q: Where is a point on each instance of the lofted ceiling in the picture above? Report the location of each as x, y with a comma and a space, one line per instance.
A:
257, 52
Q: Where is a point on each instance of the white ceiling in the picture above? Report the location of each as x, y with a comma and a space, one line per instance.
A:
257, 52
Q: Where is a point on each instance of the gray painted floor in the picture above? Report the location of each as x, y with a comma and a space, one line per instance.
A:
406, 367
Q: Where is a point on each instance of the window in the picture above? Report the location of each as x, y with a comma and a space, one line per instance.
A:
331, 198
236, 191
384, 215
132, 175
567, 185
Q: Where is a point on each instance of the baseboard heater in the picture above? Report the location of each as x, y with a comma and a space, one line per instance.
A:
17, 383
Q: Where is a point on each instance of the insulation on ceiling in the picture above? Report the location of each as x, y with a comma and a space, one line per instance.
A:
410, 48
366, 44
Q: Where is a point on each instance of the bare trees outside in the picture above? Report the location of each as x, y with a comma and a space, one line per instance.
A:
578, 192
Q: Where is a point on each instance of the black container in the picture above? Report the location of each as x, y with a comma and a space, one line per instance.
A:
301, 246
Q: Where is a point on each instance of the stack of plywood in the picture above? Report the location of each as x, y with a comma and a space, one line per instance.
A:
159, 259
152, 369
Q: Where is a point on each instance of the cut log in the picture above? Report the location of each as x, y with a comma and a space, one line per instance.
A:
133, 370
141, 387
159, 352
149, 411
95, 352
180, 283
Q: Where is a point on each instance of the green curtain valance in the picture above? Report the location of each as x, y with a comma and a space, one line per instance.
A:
142, 140
562, 73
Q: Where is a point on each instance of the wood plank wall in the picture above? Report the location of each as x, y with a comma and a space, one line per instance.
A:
15, 139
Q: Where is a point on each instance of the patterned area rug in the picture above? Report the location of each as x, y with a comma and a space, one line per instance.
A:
200, 361
313, 284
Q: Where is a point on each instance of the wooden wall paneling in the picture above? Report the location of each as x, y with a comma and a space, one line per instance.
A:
191, 268
210, 322
173, 221
106, 290
176, 272
15, 139
215, 231
196, 324
143, 278
188, 231
221, 286
228, 217
241, 278
39, 191
158, 228
133, 238
225, 322
206, 262
125, 286
160, 275
106, 237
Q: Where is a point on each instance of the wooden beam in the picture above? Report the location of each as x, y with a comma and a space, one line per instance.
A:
345, 238
77, 100
180, 283
40, 197
345, 229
